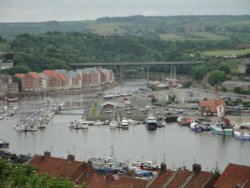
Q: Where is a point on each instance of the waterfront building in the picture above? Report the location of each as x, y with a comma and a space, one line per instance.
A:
91, 77
75, 79
208, 107
56, 80
31, 82
3, 88
107, 76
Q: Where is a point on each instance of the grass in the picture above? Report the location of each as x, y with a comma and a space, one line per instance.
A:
226, 52
106, 28
208, 36
4, 47
193, 36
93, 110
171, 36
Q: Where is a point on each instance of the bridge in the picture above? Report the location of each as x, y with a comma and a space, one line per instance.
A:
121, 64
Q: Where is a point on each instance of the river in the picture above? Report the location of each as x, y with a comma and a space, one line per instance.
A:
176, 145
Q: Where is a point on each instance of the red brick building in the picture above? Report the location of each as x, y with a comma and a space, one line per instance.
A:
31, 82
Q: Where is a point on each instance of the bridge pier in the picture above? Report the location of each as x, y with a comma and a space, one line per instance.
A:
121, 74
147, 75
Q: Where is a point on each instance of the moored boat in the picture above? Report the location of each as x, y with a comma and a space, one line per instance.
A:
124, 123
113, 124
242, 134
222, 127
152, 123
4, 144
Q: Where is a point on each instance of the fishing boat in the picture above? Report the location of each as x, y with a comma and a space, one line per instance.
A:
195, 126
200, 126
4, 144
152, 123
222, 127
242, 133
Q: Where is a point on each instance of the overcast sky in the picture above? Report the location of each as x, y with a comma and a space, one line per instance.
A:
44, 10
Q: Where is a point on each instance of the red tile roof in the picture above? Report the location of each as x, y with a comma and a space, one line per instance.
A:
19, 75
55, 167
78, 172
128, 182
201, 179
179, 178
54, 74
35, 75
212, 103
161, 179
234, 175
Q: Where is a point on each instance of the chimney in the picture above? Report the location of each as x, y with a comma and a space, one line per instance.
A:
71, 158
47, 154
163, 167
196, 168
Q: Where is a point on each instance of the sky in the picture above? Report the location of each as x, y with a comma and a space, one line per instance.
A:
67, 10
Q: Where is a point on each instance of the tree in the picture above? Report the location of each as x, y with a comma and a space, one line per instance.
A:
225, 68
199, 72
216, 77
24, 176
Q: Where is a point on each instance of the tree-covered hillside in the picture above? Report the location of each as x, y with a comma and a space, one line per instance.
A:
58, 50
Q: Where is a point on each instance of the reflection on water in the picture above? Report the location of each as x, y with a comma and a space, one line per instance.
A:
178, 144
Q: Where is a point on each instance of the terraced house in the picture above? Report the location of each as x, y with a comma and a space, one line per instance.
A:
62, 79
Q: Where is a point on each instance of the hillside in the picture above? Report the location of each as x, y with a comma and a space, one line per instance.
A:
57, 50
171, 28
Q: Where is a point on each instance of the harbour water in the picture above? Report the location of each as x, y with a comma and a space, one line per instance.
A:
176, 145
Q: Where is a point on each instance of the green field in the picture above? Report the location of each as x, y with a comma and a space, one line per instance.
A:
4, 47
171, 36
226, 52
193, 36
208, 36
105, 28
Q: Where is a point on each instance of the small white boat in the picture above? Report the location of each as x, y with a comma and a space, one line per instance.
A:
113, 124
132, 122
72, 124
4, 144
24, 127
242, 134
82, 124
41, 125
99, 123
124, 123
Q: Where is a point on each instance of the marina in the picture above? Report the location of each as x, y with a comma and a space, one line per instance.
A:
175, 144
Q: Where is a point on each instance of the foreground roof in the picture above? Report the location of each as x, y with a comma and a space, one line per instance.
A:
234, 176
